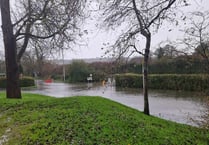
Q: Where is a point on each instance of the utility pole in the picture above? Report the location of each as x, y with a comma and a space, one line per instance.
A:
63, 65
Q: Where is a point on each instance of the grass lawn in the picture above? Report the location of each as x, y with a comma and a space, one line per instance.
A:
38, 119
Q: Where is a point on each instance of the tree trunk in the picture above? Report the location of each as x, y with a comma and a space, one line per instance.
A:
12, 73
146, 33
145, 74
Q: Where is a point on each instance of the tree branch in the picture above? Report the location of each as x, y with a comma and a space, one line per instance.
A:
171, 2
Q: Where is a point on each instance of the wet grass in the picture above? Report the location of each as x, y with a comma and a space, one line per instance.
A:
38, 119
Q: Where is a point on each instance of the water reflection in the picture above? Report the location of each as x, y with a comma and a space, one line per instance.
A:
172, 105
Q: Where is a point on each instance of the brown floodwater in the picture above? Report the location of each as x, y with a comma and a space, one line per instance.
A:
178, 106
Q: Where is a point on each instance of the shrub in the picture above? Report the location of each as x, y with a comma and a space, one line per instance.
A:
78, 72
27, 82
187, 82
24, 82
2, 82
129, 80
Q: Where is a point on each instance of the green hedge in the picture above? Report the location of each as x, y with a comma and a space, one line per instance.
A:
129, 80
24, 82
193, 82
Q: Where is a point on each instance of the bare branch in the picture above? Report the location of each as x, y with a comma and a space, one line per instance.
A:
136, 50
47, 20
171, 2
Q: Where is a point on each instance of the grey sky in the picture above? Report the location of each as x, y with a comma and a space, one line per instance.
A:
96, 38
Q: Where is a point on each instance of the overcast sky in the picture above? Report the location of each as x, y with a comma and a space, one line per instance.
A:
96, 38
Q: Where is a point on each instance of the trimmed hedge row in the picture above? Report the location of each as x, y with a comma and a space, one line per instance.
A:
24, 82
187, 82
129, 80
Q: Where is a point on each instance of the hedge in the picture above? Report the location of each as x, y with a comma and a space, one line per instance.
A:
187, 82
24, 82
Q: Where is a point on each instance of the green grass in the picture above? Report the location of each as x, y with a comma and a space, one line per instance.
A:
37, 119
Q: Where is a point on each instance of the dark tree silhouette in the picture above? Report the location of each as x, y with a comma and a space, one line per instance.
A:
140, 18
196, 36
12, 74
36, 21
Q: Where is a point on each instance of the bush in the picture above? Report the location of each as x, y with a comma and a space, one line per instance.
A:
78, 72
27, 82
24, 82
2, 82
187, 82
129, 80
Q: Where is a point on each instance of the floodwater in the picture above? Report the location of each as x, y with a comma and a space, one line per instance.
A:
181, 107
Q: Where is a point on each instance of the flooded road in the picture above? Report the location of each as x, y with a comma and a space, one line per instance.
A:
180, 107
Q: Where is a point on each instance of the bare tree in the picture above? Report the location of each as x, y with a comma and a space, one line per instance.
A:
196, 35
46, 21
52, 21
141, 19
167, 49
28, 64
12, 74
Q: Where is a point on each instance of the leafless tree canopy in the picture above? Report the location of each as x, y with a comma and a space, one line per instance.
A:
36, 22
196, 36
137, 17
46, 21
141, 18
198, 32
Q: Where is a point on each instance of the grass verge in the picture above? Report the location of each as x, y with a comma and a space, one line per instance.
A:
38, 119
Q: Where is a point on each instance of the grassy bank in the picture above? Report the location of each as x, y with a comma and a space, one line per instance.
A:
39, 119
